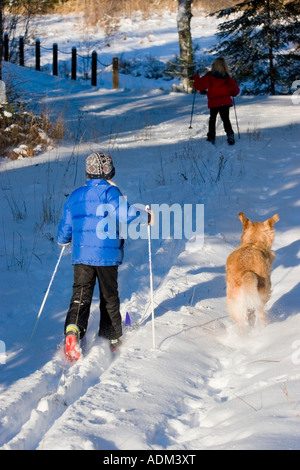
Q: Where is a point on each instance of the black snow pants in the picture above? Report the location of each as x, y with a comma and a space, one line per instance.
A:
83, 287
224, 114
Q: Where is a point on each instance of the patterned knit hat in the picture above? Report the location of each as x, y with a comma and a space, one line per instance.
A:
99, 165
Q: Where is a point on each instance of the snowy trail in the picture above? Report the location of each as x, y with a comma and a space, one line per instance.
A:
135, 397
45, 408
47, 394
109, 403
196, 405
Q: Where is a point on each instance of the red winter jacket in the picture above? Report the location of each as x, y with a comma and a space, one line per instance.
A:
219, 89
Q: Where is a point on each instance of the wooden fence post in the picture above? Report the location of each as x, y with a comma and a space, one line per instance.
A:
21, 51
94, 69
55, 61
115, 63
37, 55
74, 57
115, 72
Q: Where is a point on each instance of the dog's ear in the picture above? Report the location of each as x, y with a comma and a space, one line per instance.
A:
272, 220
243, 218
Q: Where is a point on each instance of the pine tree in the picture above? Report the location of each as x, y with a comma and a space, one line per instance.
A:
260, 39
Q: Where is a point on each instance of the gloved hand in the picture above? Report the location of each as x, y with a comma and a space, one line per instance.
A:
151, 217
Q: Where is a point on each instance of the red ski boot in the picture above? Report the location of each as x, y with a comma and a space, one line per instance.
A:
72, 345
115, 344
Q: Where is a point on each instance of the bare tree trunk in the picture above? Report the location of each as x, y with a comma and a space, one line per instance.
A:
184, 17
272, 71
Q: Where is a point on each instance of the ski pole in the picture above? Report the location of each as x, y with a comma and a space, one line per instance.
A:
237, 124
192, 113
151, 284
47, 292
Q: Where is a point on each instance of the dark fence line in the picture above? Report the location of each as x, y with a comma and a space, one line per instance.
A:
55, 50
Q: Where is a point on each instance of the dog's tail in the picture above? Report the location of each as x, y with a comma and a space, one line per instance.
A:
252, 301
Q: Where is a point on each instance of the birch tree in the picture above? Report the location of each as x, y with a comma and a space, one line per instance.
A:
184, 17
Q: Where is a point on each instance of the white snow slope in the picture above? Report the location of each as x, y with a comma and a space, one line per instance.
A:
204, 385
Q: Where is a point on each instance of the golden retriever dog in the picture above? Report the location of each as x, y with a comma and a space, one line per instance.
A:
248, 272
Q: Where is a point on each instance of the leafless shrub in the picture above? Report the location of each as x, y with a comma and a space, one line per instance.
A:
24, 134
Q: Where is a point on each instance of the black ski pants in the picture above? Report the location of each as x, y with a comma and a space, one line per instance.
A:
224, 114
83, 287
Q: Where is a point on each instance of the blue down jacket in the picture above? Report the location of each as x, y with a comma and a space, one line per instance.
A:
92, 219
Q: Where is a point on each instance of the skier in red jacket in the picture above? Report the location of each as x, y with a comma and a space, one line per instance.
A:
220, 88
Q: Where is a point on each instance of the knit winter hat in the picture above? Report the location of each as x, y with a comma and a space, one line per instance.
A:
99, 165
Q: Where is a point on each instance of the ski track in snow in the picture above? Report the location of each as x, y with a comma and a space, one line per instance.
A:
69, 383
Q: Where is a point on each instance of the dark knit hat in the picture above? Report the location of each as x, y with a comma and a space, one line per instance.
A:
99, 165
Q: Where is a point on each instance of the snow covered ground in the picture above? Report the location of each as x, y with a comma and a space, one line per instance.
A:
204, 385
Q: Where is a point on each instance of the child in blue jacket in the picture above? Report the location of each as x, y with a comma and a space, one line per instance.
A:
92, 217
